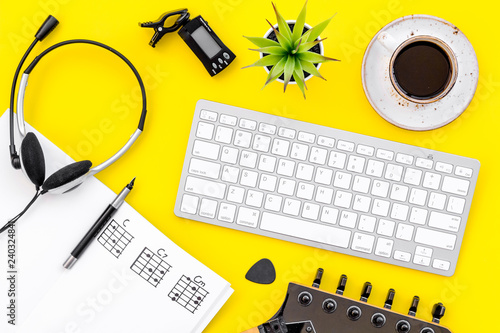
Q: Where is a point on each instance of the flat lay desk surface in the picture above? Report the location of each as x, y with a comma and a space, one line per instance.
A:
86, 102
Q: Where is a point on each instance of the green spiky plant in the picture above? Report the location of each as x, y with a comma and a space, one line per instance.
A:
290, 55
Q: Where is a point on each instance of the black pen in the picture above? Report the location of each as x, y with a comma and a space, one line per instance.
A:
101, 221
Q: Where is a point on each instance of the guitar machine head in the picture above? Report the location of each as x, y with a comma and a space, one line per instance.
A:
311, 310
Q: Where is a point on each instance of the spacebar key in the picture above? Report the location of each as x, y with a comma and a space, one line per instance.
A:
305, 230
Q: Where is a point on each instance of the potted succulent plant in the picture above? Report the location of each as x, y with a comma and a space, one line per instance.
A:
291, 51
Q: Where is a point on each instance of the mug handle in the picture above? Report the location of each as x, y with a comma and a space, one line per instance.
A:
387, 41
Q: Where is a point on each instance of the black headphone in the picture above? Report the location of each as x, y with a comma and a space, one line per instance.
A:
31, 159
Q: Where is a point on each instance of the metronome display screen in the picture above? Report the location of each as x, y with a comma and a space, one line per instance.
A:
206, 42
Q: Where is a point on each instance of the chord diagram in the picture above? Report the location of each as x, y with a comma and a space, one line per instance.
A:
150, 267
115, 239
188, 294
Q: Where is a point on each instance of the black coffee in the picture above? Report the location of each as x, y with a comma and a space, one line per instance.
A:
422, 70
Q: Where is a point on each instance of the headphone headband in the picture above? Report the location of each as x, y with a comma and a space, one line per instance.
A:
24, 83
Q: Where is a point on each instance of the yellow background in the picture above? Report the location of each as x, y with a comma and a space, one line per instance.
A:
73, 89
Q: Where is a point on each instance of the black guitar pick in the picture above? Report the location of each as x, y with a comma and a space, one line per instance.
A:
262, 272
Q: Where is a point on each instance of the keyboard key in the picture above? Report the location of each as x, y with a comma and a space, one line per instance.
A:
362, 243
286, 133
267, 163
431, 180
249, 178
206, 149
205, 130
405, 232
444, 221
399, 212
384, 247
464, 172
280, 147
318, 156
226, 212
385, 154
310, 211
361, 184
422, 261
248, 124
365, 150
424, 163
286, 168
208, 115
345, 145
230, 174
326, 141
413, 176
228, 120
291, 207
254, 198
367, 223
343, 199
229, 155
435, 238
267, 128
242, 139
418, 216
324, 195
386, 228
394, 172
248, 217
248, 159
337, 160
362, 203
224, 134
204, 168
304, 171
208, 208
399, 192
423, 251
380, 207
189, 204
235, 194
418, 197
404, 159
455, 186
286, 186
444, 167
375, 168
441, 264
262, 143
305, 191
342, 180
306, 137
299, 151
348, 219
323, 176
205, 187
380, 188
456, 205
329, 215
305, 230
267, 182
273, 202
356, 164
402, 256
437, 200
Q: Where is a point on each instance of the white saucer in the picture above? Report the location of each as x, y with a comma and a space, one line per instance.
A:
385, 99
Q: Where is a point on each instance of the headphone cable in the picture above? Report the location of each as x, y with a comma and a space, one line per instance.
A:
18, 216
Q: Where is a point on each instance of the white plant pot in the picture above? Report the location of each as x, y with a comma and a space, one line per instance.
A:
308, 27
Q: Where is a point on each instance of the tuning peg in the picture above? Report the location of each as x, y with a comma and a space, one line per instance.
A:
365, 293
414, 306
342, 284
438, 312
389, 299
317, 279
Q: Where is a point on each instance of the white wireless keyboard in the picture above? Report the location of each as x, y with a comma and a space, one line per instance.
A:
328, 188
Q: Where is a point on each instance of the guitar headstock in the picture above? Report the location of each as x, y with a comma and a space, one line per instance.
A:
311, 310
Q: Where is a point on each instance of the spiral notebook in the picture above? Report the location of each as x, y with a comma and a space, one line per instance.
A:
132, 278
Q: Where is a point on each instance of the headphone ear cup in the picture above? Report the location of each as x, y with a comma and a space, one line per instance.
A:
66, 175
33, 161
